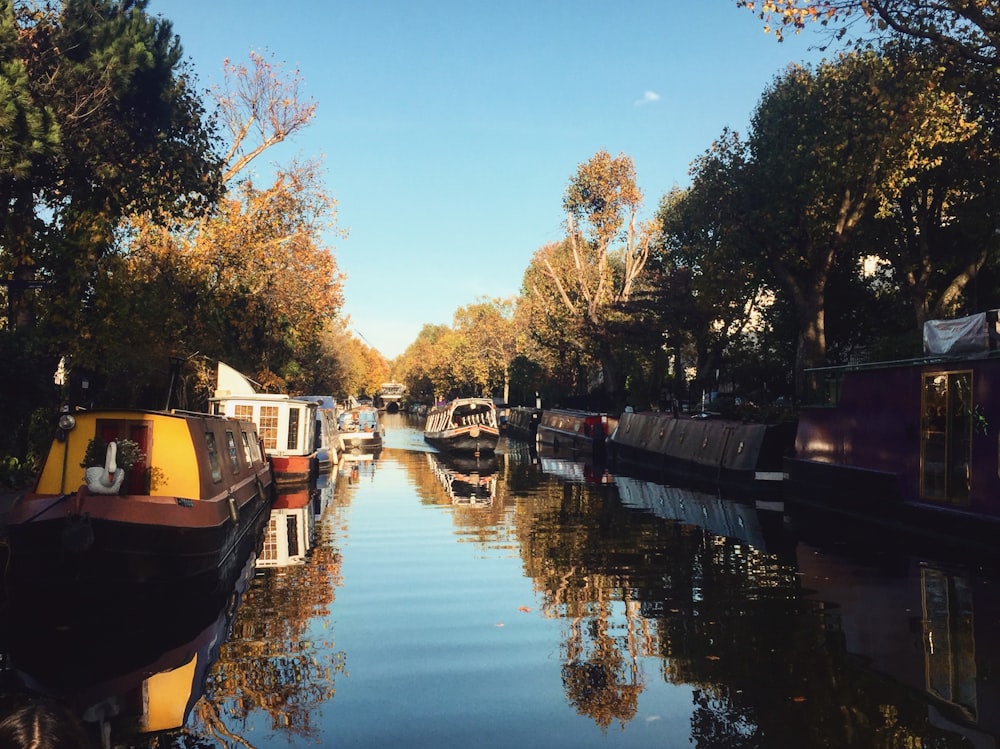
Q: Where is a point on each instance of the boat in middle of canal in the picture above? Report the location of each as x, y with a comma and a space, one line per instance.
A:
464, 425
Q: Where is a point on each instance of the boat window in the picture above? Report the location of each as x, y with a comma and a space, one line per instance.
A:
246, 447
243, 412
292, 534
268, 426
234, 462
946, 437
293, 428
822, 388
213, 457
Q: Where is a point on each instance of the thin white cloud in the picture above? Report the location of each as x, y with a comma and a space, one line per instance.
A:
648, 97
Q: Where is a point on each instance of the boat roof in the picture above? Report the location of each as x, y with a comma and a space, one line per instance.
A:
919, 361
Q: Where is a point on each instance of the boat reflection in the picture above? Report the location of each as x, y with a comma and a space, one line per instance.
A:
722, 517
357, 466
291, 529
467, 480
575, 467
127, 661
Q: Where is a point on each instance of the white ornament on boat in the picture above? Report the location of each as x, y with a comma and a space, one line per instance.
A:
106, 479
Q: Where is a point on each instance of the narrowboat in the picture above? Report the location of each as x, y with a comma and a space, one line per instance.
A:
328, 454
709, 450
522, 422
287, 426
464, 425
140, 495
569, 429
360, 430
910, 443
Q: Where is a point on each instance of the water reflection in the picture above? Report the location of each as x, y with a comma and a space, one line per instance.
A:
467, 480
127, 660
535, 602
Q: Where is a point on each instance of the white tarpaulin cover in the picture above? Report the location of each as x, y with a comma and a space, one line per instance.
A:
964, 335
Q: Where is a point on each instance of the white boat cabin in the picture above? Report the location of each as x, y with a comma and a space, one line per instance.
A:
286, 425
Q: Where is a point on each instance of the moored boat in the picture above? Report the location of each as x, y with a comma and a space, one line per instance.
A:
140, 495
719, 451
463, 425
328, 454
360, 431
910, 443
570, 429
287, 426
522, 422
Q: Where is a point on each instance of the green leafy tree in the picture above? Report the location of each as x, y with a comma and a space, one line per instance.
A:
109, 125
829, 147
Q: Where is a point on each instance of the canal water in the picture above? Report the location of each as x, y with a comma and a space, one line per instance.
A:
533, 601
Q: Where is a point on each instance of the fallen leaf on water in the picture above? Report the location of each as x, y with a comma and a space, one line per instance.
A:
499, 624
713, 657
798, 699
525, 609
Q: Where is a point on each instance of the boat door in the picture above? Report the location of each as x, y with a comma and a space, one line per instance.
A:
946, 437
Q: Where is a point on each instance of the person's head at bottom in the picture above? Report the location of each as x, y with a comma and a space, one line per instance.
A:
42, 724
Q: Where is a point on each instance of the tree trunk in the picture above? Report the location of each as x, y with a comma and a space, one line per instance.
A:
810, 350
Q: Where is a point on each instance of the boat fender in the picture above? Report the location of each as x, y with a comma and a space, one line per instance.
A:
234, 512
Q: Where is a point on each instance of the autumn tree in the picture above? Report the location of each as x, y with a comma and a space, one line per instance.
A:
99, 118
255, 282
491, 329
601, 261
561, 345
963, 30
424, 366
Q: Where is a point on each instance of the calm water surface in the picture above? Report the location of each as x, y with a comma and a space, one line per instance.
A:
539, 602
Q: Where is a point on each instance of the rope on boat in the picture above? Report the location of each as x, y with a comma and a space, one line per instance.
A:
49, 507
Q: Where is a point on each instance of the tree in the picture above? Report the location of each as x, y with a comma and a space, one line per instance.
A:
713, 288
253, 283
964, 30
602, 259
108, 125
828, 147
490, 326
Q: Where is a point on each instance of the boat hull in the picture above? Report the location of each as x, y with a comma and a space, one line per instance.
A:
566, 429
295, 469
468, 440
202, 487
522, 422
127, 538
719, 451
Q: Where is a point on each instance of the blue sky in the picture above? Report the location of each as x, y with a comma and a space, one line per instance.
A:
449, 130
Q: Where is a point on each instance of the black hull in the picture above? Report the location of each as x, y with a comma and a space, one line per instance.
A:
68, 549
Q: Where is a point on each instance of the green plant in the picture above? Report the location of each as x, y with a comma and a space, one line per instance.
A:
129, 453
15, 474
979, 422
